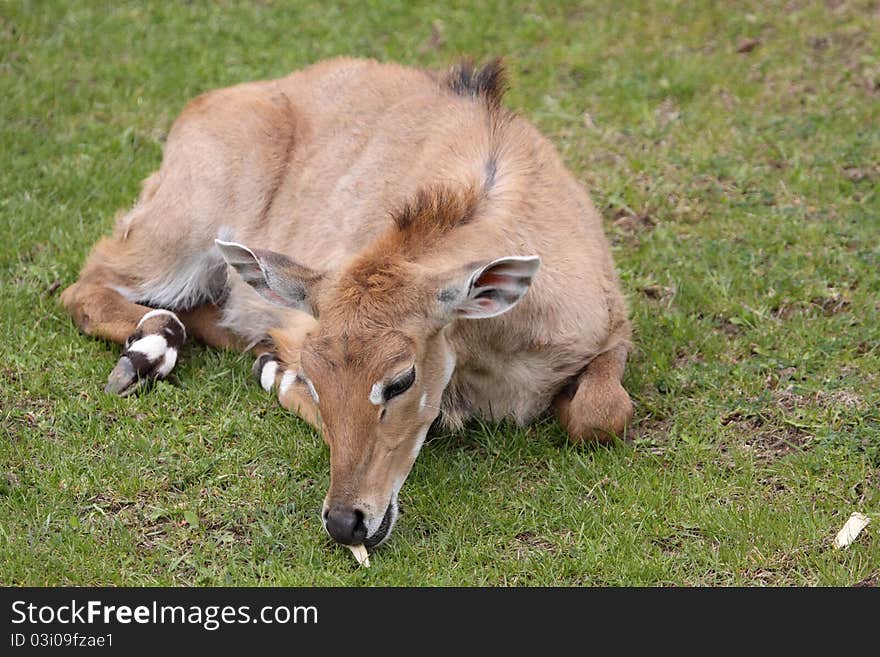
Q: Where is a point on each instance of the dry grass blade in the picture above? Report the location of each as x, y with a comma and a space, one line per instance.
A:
360, 553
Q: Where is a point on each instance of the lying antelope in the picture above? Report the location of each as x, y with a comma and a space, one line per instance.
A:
371, 231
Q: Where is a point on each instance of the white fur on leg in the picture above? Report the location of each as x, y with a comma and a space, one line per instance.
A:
152, 346
168, 362
156, 350
161, 311
267, 375
286, 381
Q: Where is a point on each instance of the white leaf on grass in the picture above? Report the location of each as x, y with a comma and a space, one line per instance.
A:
850, 531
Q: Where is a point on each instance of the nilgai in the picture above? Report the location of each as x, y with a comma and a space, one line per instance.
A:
394, 244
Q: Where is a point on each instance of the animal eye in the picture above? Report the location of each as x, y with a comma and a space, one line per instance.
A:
400, 385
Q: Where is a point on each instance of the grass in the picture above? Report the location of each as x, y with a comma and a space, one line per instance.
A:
740, 191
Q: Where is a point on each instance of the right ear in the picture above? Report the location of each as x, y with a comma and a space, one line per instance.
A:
274, 276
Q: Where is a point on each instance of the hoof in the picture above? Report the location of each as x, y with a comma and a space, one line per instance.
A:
150, 353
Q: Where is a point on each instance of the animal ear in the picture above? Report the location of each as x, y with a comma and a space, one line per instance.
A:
274, 276
489, 290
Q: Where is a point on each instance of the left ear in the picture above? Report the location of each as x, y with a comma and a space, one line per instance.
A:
489, 290
274, 276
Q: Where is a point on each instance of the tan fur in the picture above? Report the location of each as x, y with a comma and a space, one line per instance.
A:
383, 184
598, 409
100, 311
203, 323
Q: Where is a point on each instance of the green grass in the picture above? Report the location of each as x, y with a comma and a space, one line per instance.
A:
740, 190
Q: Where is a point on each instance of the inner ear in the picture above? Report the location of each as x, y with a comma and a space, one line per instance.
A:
490, 289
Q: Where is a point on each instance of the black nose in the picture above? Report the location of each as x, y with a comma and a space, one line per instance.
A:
345, 525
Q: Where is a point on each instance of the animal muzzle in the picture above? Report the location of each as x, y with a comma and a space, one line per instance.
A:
349, 526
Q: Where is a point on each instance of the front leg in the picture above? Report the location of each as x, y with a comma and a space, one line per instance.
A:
151, 338
294, 392
596, 407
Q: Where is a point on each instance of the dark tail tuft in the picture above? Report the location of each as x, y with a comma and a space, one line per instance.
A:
488, 82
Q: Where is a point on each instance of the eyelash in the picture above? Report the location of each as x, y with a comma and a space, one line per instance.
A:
304, 380
400, 385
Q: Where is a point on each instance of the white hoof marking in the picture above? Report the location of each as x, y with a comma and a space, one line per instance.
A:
168, 363
286, 381
151, 346
267, 376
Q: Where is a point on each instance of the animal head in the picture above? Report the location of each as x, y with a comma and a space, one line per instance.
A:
377, 361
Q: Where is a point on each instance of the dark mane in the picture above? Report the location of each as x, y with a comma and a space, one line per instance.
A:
370, 289
436, 210
488, 82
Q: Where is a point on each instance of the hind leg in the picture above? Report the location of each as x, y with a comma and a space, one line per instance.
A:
162, 251
151, 337
596, 407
